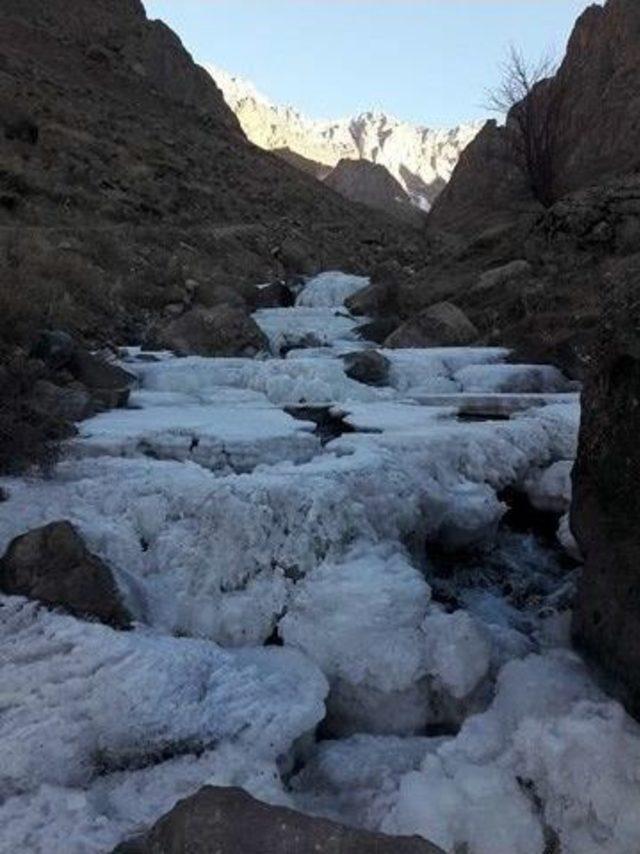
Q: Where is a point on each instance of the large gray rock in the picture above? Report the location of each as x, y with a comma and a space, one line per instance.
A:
370, 301
606, 512
368, 367
504, 277
274, 295
55, 348
210, 295
223, 331
229, 821
68, 403
109, 385
53, 565
441, 325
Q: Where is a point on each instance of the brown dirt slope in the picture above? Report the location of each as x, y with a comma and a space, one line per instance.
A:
123, 173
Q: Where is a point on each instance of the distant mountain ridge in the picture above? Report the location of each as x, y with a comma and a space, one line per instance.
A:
421, 159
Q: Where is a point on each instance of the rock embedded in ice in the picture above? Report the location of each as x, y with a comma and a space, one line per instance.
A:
367, 366
53, 565
330, 290
225, 330
229, 820
440, 325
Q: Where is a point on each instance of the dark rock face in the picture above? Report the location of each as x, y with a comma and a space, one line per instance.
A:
485, 190
274, 295
106, 385
53, 565
378, 330
70, 403
368, 367
109, 385
441, 325
373, 185
223, 331
229, 821
606, 510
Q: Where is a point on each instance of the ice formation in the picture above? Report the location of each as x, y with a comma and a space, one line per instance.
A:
429, 638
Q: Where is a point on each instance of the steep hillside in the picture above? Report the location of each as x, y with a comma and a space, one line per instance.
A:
420, 159
125, 175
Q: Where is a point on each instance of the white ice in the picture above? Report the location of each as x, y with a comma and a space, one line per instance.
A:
225, 521
82, 701
228, 431
330, 290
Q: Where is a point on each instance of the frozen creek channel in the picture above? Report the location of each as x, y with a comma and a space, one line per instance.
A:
351, 626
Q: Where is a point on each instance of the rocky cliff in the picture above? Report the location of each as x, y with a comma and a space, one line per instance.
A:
606, 504
595, 132
421, 159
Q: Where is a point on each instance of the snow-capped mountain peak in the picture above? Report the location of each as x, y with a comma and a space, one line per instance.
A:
421, 159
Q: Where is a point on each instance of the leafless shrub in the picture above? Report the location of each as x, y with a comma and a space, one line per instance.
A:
531, 105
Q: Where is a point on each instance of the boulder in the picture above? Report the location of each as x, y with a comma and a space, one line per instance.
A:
274, 295
224, 331
55, 348
441, 325
109, 385
368, 367
295, 258
378, 330
606, 510
370, 301
211, 294
53, 565
504, 277
68, 403
229, 821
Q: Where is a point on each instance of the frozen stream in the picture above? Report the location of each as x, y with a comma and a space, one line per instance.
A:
354, 626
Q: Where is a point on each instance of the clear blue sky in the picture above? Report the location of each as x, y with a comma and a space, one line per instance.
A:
426, 61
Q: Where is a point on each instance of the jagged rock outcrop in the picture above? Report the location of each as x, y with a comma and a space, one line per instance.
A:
606, 505
595, 128
53, 565
420, 159
373, 185
229, 821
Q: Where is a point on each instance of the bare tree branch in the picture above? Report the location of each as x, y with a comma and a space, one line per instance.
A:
530, 104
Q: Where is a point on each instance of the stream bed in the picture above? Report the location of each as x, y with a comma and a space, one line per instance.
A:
349, 599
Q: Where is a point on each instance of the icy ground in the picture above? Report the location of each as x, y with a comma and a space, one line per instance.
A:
357, 628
